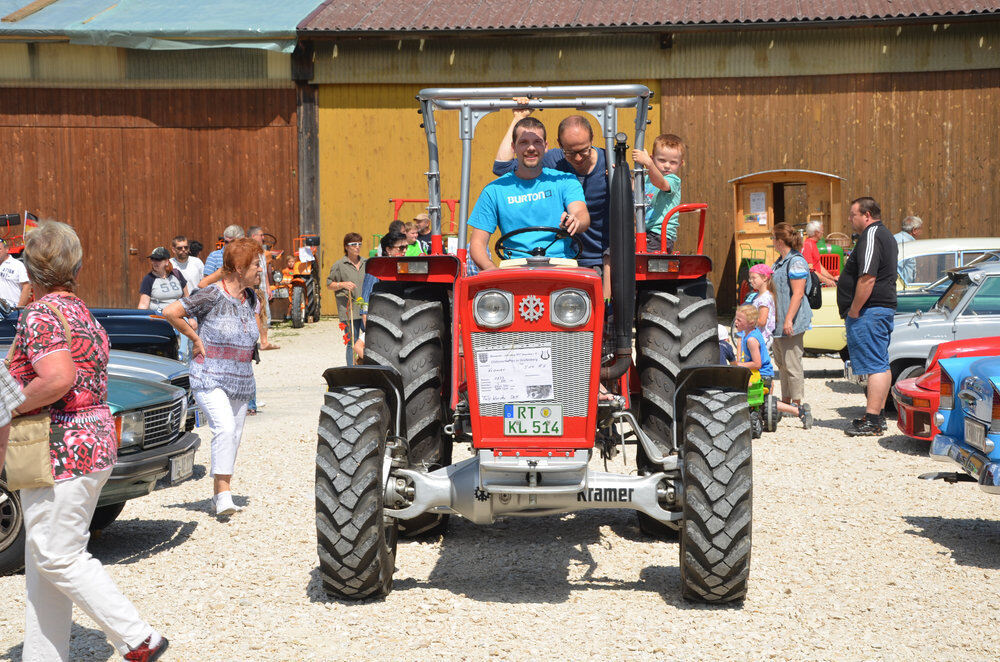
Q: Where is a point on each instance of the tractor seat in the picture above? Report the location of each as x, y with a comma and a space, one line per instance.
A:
537, 262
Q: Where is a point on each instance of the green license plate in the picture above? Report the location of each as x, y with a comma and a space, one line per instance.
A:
532, 420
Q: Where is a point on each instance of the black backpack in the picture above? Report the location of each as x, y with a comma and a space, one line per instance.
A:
814, 289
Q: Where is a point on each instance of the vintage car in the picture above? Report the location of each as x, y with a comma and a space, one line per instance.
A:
969, 308
912, 299
153, 445
969, 419
933, 258
128, 328
916, 398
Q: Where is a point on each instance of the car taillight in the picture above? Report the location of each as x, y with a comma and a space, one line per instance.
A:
995, 423
947, 392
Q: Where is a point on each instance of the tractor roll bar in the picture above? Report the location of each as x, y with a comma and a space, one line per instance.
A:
473, 104
434, 93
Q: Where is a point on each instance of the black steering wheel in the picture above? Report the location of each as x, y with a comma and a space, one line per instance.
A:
504, 253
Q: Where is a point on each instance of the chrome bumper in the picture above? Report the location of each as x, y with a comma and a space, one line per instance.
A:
851, 377
946, 449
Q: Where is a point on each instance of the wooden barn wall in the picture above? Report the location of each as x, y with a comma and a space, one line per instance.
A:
372, 148
132, 169
919, 143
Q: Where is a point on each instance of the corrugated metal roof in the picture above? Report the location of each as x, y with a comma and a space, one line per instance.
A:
351, 17
154, 24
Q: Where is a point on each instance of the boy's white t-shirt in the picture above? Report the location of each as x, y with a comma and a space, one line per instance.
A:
12, 276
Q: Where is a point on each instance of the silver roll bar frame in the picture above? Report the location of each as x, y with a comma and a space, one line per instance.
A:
475, 103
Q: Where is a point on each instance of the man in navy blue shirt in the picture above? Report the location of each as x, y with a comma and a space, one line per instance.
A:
577, 156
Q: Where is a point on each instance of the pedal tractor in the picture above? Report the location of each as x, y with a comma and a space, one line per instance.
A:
764, 414
509, 363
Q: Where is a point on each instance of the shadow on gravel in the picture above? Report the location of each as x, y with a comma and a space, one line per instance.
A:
903, 444
844, 387
205, 505
539, 561
85, 644
129, 541
973, 542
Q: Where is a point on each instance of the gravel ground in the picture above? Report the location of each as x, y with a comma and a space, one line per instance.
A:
853, 558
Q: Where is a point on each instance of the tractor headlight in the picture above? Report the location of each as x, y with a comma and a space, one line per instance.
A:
494, 308
570, 308
130, 429
277, 277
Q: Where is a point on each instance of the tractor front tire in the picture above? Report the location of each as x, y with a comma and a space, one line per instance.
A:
298, 311
406, 330
355, 540
718, 497
756, 424
676, 329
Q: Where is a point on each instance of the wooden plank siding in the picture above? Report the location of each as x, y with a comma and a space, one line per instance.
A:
131, 169
371, 148
919, 143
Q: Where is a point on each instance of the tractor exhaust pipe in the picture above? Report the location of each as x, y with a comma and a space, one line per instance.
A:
622, 247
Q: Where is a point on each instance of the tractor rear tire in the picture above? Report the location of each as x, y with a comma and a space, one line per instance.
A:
355, 540
718, 497
675, 329
406, 330
11, 531
312, 301
297, 311
771, 415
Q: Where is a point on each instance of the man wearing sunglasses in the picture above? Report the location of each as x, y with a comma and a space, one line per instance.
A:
191, 268
346, 278
577, 156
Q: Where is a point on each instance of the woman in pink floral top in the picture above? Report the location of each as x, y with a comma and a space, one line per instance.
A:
60, 357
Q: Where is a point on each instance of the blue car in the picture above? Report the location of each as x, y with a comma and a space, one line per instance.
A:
969, 419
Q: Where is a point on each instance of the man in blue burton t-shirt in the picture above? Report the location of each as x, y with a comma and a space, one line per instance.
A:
530, 196
576, 155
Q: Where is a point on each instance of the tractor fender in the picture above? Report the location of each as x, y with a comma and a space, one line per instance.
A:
384, 378
708, 376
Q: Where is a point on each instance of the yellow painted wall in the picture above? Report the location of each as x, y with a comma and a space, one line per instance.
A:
372, 148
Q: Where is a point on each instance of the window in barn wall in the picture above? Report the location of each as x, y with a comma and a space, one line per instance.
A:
204, 64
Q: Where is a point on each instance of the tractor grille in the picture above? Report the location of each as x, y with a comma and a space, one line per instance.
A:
162, 424
571, 355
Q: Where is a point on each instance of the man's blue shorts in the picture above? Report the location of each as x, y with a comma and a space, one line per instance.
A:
868, 340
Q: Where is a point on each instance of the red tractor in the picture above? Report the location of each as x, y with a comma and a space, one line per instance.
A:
510, 361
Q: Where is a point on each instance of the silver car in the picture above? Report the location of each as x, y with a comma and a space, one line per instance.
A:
969, 308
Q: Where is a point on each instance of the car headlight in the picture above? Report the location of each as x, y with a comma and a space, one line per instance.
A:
130, 429
277, 277
569, 308
494, 308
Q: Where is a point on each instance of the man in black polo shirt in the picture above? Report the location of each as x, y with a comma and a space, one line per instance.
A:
866, 297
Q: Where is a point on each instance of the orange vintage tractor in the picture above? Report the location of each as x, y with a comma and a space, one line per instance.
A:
295, 284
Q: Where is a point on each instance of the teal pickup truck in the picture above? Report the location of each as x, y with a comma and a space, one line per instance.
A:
155, 444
